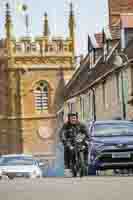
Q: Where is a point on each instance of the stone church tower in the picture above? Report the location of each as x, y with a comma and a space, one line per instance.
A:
32, 71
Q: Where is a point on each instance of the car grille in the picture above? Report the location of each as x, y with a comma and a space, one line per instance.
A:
106, 156
117, 150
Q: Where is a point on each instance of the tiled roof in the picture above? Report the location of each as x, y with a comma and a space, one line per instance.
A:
88, 77
127, 21
100, 71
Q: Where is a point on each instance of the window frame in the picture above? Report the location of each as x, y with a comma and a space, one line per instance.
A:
41, 96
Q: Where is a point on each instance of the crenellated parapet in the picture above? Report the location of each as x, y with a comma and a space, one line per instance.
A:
42, 46
38, 46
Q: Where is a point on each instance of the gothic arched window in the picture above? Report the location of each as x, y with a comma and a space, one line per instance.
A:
41, 96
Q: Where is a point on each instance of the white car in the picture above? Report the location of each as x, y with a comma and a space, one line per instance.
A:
19, 165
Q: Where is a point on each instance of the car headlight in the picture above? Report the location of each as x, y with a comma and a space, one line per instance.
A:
97, 145
1, 173
95, 150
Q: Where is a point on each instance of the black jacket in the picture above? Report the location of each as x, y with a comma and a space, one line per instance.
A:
69, 130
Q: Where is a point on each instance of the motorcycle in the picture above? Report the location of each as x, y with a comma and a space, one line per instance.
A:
79, 150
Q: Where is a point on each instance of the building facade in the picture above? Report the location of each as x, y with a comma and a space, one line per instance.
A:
101, 88
35, 71
118, 7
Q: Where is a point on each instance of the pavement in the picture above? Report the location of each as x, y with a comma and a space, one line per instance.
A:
94, 188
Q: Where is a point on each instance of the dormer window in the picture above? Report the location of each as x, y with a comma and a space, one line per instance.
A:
126, 29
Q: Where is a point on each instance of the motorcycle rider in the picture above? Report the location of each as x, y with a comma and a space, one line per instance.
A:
72, 126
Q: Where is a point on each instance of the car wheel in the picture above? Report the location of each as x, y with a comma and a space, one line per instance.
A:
11, 177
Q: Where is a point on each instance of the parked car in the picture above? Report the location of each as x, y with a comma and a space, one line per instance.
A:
110, 145
19, 165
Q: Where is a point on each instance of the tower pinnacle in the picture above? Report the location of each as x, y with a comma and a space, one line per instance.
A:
46, 26
8, 23
71, 26
8, 28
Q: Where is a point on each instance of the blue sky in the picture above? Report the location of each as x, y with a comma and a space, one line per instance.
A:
90, 17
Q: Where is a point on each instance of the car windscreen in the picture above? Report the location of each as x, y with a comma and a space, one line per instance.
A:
113, 129
15, 161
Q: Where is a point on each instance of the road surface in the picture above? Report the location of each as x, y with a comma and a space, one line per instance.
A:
88, 188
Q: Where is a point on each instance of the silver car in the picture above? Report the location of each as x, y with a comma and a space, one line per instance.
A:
19, 165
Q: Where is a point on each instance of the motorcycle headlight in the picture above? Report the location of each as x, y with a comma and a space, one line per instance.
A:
79, 140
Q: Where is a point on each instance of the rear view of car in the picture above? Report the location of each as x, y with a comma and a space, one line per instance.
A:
19, 166
111, 145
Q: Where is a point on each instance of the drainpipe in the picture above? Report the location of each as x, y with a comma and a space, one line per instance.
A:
123, 98
122, 61
94, 104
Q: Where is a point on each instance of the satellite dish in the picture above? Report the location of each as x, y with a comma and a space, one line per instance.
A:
118, 61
